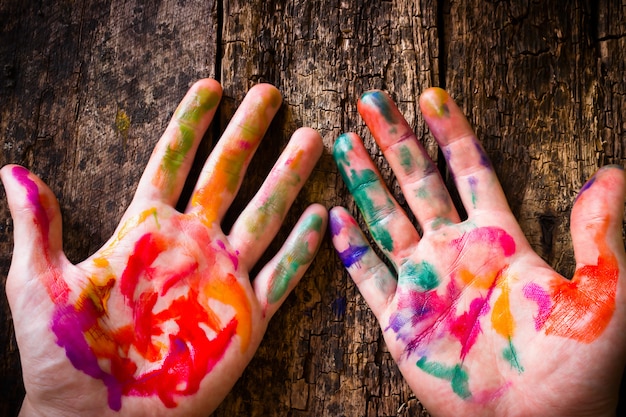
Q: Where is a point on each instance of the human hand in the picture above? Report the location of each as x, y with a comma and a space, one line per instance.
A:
163, 319
477, 322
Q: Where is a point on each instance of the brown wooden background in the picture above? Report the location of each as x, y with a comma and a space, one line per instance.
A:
86, 88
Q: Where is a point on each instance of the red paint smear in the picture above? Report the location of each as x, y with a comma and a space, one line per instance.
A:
191, 353
583, 308
466, 327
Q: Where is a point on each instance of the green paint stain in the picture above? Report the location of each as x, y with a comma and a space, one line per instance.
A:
422, 274
457, 376
362, 185
188, 115
197, 106
298, 255
510, 354
406, 159
383, 103
176, 153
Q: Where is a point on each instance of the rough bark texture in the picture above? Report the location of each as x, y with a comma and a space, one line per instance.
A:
86, 88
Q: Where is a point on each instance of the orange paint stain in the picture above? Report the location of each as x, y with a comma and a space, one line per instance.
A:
583, 307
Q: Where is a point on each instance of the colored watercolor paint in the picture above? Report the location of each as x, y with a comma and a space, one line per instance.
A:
422, 274
511, 356
456, 375
536, 293
383, 103
302, 253
157, 352
435, 104
484, 159
352, 255
406, 159
473, 183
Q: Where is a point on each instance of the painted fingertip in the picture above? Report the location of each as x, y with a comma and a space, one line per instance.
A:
272, 96
204, 97
382, 103
434, 103
601, 173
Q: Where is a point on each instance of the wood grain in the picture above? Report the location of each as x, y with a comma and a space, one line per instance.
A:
86, 88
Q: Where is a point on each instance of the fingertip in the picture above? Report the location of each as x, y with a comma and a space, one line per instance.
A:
434, 102
207, 84
597, 215
270, 94
311, 141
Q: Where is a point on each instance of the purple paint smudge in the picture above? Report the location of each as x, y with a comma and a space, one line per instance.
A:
32, 195
352, 255
484, 159
233, 258
536, 293
67, 322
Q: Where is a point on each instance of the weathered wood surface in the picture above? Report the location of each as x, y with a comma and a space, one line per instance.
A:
86, 88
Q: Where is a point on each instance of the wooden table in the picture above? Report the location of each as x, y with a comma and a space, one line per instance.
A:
87, 87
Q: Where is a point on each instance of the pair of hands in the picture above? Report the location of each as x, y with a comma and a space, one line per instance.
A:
163, 319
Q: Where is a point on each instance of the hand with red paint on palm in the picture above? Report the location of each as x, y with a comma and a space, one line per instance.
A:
163, 319
477, 322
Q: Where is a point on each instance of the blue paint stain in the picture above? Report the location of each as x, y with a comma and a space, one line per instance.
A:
381, 101
353, 254
339, 307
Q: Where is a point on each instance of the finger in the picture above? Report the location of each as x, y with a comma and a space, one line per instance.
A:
224, 170
596, 220
283, 272
474, 176
259, 222
583, 307
390, 227
167, 169
38, 247
369, 273
417, 175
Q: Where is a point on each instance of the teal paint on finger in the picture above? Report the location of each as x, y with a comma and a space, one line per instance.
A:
342, 147
300, 254
459, 380
510, 354
361, 186
422, 274
383, 103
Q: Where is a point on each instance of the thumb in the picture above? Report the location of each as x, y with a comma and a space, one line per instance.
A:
37, 231
596, 221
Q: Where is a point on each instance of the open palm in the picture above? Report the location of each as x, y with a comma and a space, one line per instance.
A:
477, 322
163, 319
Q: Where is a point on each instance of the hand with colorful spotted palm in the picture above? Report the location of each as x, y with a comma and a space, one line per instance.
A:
477, 322
163, 319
